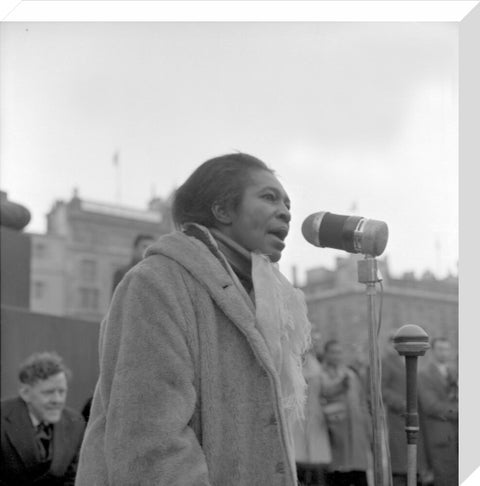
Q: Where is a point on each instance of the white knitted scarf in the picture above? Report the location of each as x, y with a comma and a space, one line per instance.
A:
281, 316
282, 319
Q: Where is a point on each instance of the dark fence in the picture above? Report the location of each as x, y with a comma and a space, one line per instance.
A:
24, 332
15, 267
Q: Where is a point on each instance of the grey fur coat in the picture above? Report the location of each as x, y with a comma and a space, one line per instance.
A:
188, 393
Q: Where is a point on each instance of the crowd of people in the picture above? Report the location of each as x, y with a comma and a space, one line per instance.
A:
41, 437
334, 441
208, 373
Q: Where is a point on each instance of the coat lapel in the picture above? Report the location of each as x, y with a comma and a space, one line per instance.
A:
235, 303
20, 431
211, 273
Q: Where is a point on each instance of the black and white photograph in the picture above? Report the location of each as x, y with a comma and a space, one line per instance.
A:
230, 248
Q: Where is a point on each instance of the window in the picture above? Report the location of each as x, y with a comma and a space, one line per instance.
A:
39, 250
88, 270
88, 298
39, 289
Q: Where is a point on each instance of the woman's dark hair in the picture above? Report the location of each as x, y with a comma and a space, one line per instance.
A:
219, 180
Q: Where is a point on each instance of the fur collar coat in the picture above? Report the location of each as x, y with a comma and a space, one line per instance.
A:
188, 393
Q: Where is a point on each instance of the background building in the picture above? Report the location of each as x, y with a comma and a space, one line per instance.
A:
337, 305
73, 264
57, 286
24, 332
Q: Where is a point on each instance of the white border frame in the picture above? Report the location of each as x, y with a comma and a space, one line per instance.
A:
465, 12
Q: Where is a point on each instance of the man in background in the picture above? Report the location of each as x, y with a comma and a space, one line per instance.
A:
438, 396
140, 244
40, 437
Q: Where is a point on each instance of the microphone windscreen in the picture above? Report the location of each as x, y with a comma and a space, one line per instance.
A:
311, 227
353, 234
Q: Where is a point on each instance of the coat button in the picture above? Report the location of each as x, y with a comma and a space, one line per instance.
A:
280, 468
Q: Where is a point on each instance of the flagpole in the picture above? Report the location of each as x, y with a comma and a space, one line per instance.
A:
116, 164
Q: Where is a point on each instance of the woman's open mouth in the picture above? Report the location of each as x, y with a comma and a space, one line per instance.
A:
280, 234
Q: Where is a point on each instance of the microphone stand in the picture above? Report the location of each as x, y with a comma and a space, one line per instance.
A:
368, 274
411, 341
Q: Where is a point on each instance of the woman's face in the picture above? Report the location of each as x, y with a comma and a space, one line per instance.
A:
261, 221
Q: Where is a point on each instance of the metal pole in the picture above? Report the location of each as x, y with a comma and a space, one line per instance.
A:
412, 464
411, 419
411, 341
367, 274
374, 380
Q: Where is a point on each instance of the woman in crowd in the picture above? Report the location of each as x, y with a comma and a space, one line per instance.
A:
200, 351
312, 443
345, 408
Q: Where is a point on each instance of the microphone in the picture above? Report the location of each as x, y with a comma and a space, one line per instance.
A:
349, 233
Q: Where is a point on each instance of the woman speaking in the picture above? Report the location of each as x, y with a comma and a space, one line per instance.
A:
200, 351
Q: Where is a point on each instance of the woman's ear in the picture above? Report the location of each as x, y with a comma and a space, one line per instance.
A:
221, 213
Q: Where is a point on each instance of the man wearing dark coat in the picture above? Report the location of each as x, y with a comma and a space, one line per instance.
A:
438, 395
140, 244
40, 437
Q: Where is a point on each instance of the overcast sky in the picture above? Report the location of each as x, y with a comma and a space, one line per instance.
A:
348, 114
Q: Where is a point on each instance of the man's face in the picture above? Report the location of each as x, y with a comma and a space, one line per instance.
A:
141, 246
442, 351
46, 398
261, 221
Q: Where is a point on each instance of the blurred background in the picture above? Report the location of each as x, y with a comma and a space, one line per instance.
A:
100, 122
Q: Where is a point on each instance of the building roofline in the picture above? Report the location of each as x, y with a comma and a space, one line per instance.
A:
391, 291
123, 212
